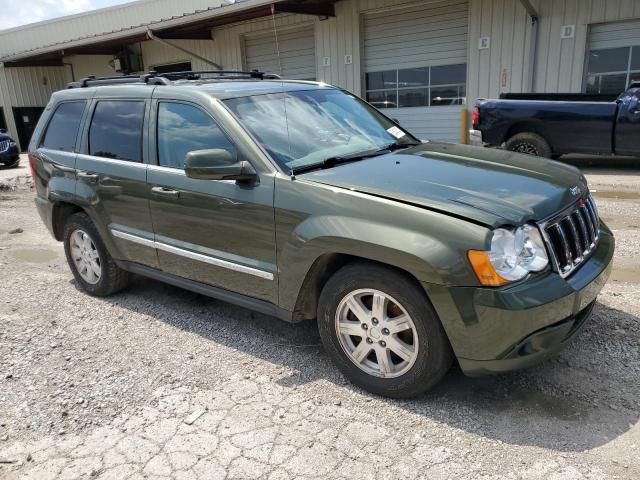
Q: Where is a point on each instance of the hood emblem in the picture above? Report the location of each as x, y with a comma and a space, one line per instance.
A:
575, 191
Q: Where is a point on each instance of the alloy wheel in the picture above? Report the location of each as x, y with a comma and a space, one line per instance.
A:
85, 256
376, 333
527, 148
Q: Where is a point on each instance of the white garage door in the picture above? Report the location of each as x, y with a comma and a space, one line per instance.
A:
614, 57
415, 64
297, 53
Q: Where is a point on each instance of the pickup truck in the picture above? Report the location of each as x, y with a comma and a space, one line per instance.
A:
557, 124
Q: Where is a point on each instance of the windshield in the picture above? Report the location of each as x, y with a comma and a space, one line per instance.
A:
322, 124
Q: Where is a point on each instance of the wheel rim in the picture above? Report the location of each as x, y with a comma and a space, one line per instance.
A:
376, 333
525, 147
85, 257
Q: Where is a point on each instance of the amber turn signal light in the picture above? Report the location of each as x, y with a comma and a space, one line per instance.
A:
484, 269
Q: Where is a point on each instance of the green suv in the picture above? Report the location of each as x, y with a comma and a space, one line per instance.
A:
301, 201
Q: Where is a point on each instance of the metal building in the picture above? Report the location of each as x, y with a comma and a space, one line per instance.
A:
424, 62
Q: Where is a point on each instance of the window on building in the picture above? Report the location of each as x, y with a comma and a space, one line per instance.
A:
184, 128
611, 70
418, 87
173, 67
116, 130
63, 127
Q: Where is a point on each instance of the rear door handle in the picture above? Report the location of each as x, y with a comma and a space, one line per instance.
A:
88, 177
166, 192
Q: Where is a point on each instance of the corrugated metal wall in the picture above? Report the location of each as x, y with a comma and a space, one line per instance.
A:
292, 56
504, 67
29, 87
154, 53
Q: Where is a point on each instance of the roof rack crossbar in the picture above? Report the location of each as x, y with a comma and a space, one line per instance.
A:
197, 74
155, 78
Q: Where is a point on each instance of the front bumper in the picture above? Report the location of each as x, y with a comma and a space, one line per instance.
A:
498, 330
10, 155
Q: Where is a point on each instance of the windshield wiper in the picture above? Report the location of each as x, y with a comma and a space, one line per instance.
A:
337, 160
397, 146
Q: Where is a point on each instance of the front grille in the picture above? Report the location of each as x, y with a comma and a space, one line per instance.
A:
4, 146
573, 236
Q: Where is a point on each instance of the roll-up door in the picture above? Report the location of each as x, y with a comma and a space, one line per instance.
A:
297, 53
613, 59
415, 66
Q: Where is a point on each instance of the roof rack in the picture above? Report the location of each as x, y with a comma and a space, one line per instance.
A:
155, 78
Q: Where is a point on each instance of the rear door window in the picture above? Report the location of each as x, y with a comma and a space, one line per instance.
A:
184, 128
62, 131
116, 130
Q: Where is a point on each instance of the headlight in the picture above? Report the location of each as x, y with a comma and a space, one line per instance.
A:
12, 144
514, 254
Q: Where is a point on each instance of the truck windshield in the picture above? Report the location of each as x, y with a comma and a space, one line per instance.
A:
303, 128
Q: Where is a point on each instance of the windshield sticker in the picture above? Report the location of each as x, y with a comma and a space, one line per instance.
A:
396, 132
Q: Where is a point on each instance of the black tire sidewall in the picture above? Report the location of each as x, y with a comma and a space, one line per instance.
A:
541, 145
109, 270
434, 353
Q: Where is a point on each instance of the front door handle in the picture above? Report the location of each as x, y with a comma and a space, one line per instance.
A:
166, 192
88, 177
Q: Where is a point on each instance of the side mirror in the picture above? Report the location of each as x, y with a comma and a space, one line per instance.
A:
217, 164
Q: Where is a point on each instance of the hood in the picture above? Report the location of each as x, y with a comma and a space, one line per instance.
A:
487, 186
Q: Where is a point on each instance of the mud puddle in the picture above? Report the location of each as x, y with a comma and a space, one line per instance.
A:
616, 195
35, 255
625, 275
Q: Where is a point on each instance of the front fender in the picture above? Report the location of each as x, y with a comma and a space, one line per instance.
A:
427, 258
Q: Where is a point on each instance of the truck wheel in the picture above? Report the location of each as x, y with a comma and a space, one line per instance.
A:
12, 164
381, 331
529, 143
90, 262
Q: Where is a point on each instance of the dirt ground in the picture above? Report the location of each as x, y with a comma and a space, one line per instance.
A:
158, 382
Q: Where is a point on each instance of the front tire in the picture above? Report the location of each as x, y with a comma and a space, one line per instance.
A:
381, 331
88, 258
12, 164
530, 144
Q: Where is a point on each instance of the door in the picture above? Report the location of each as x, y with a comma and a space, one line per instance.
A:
112, 176
297, 53
613, 57
26, 119
415, 66
627, 134
216, 232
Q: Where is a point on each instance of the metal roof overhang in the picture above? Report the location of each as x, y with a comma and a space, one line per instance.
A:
190, 26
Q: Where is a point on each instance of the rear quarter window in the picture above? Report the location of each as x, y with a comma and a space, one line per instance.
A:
62, 131
116, 130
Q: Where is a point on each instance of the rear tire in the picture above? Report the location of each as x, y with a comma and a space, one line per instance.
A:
400, 355
92, 266
13, 164
530, 144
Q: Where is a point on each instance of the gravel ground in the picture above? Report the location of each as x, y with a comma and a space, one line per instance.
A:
158, 382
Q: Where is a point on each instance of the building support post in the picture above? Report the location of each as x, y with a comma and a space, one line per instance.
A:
533, 46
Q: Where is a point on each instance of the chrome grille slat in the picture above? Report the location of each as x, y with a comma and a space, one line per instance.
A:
576, 239
4, 146
572, 236
566, 250
583, 230
586, 218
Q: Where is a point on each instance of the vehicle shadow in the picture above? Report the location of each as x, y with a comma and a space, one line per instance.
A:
583, 399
